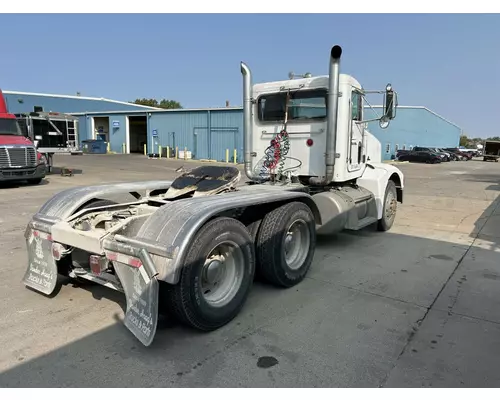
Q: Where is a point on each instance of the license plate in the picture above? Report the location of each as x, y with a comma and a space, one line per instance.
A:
41, 274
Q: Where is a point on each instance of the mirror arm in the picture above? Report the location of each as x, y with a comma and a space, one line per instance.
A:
368, 120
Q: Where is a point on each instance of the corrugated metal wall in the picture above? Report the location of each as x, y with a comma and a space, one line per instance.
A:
177, 129
226, 133
207, 134
413, 126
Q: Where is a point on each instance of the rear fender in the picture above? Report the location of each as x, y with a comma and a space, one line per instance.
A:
375, 179
65, 203
174, 225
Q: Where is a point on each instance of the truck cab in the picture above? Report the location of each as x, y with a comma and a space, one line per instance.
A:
19, 158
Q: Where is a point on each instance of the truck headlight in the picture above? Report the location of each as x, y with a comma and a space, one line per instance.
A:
42, 159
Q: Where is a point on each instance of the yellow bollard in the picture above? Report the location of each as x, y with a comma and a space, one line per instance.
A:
234, 156
159, 151
176, 152
109, 148
185, 153
145, 149
227, 156
168, 151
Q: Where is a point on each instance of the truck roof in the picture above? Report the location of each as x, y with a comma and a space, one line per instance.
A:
308, 83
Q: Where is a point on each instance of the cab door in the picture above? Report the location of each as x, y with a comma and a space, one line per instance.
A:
357, 144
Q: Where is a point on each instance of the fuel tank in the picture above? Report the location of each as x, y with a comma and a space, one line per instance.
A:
342, 208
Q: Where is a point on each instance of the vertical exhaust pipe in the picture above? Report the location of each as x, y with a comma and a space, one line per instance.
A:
332, 114
247, 120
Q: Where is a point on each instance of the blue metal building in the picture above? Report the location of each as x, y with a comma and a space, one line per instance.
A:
208, 133
413, 126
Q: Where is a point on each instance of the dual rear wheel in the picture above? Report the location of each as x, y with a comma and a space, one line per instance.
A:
220, 266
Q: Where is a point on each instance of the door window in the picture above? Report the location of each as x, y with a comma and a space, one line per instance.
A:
357, 106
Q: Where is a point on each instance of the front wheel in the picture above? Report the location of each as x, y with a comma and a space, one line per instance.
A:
285, 244
390, 207
216, 277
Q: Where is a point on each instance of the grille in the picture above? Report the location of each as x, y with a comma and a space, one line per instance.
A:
17, 157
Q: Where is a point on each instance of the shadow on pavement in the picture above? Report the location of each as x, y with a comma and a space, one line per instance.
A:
454, 348
488, 178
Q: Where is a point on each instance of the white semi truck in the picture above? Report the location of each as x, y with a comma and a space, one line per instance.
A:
191, 247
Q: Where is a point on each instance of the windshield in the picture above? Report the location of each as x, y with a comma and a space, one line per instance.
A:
302, 105
9, 126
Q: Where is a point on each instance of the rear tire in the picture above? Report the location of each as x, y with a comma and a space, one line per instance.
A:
36, 181
286, 243
253, 229
212, 290
390, 208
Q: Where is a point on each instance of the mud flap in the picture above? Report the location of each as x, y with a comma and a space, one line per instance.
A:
141, 291
41, 274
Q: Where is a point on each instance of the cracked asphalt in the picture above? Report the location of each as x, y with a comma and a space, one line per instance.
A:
416, 306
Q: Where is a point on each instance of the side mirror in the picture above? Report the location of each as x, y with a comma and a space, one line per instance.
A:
37, 144
390, 102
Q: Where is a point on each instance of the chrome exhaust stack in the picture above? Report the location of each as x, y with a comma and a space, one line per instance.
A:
331, 125
247, 120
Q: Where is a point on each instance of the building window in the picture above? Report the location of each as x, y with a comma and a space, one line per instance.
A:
404, 147
387, 148
38, 109
411, 147
396, 148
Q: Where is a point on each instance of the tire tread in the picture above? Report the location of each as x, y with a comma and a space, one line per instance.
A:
179, 297
269, 244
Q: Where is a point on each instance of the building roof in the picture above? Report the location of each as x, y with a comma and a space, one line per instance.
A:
422, 108
65, 96
161, 110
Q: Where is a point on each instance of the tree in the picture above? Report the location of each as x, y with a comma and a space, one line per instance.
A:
169, 104
164, 103
464, 140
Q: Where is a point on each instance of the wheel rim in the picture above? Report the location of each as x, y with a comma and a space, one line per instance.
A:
390, 205
296, 244
222, 274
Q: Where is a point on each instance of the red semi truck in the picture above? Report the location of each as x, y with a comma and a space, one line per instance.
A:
19, 158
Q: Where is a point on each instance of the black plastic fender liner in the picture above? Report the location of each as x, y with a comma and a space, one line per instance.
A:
174, 225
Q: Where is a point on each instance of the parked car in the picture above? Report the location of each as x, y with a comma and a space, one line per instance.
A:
449, 154
399, 153
443, 156
421, 156
462, 156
